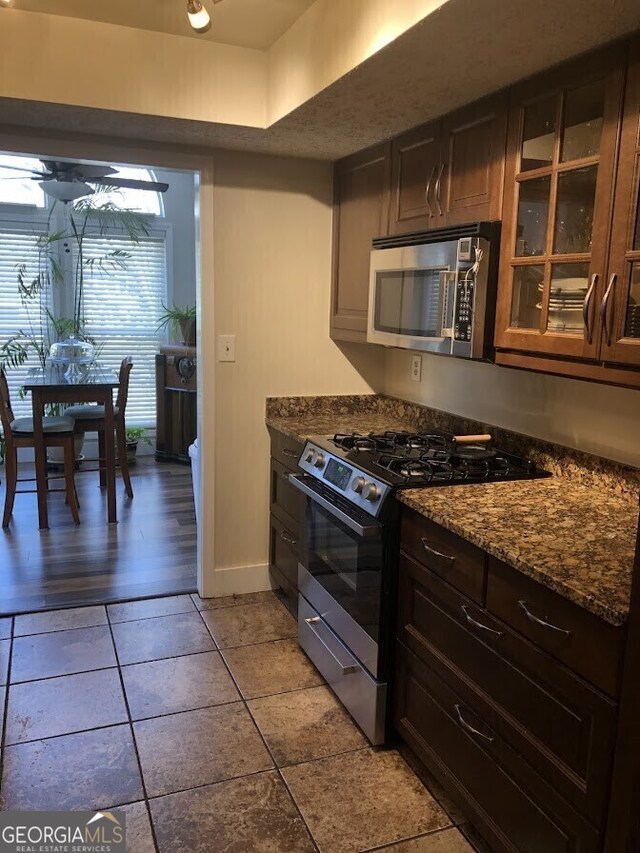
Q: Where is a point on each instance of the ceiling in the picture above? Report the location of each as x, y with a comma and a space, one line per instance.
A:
243, 23
406, 83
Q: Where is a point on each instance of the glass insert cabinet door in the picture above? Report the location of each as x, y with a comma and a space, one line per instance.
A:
563, 131
620, 313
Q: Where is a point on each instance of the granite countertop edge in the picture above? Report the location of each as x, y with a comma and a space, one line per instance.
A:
614, 615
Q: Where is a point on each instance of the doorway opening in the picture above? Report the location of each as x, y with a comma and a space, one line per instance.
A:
106, 268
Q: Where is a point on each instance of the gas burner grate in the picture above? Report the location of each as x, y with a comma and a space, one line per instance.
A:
418, 471
357, 441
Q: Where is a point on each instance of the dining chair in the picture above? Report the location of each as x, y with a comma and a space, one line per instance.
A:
18, 432
90, 418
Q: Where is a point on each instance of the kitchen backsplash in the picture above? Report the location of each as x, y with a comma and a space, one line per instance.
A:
615, 477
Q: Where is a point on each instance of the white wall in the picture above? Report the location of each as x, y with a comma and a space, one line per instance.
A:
272, 250
598, 419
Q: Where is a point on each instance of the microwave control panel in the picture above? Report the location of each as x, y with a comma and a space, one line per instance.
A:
463, 317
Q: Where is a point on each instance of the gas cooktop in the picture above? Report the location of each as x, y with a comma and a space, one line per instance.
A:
365, 468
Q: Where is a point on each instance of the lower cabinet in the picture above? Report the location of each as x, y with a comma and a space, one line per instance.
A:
516, 726
285, 520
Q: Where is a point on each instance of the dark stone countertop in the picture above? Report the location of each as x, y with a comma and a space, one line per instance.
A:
568, 535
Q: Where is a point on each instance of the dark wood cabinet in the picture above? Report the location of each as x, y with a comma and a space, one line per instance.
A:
286, 508
620, 309
361, 195
176, 402
500, 709
450, 171
560, 174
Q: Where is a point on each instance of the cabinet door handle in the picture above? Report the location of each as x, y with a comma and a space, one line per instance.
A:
427, 190
607, 327
286, 537
586, 308
443, 166
471, 729
446, 558
477, 624
538, 621
292, 453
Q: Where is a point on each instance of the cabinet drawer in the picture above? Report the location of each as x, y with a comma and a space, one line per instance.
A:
283, 551
571, 634
464, 753
286, 450
286, 501
449, 556
561, 726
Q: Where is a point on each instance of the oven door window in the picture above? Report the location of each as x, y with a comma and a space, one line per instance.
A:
414, 303
348, 566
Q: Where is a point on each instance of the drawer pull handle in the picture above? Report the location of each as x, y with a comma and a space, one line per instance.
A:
446, 557
285, 476
477, 624
469, 728
345, 669
538, 621
293, 453
287, 538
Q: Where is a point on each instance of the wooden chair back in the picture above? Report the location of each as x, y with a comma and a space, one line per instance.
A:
126, 367
6, 412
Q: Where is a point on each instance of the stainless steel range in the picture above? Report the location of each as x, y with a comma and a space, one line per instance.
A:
347, 577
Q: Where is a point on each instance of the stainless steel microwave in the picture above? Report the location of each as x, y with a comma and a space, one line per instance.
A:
436, 290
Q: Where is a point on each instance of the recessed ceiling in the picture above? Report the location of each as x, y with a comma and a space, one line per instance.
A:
243, 23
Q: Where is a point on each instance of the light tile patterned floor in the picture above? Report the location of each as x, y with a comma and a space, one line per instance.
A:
208, 725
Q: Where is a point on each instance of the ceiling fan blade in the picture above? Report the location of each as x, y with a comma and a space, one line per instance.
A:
89, 172
129, 183
21, 169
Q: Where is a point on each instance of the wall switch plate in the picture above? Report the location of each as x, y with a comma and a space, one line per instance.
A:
226, 347
416, 368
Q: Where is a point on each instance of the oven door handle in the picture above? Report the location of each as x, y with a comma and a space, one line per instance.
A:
346, 669
298, 481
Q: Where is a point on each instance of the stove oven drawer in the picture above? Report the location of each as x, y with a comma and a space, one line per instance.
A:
363, 696
456, 561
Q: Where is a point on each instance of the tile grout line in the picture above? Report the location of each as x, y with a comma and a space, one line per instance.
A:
133, 738
266, 745
6, 709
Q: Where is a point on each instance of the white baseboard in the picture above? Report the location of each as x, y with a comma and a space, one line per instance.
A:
238, 579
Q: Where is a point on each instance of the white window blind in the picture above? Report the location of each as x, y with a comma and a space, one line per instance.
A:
121, 309
17, 245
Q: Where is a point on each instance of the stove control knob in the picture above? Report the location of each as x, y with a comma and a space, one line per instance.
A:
311, 455
319, 461
370, 492
358, 484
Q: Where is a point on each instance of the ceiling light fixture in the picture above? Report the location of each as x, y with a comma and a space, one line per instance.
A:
199, 18
66, 190
6, 2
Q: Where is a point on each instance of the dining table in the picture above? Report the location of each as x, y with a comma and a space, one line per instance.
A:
66, 385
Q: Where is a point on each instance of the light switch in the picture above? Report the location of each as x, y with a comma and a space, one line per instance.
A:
226, 348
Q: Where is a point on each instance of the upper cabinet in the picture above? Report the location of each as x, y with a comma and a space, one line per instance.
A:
620, 310
361, 203
560, 174
449, 172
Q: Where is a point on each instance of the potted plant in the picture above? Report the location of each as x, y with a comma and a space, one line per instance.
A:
181, 321
133, 436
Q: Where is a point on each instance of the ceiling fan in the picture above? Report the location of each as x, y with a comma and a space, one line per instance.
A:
69, 181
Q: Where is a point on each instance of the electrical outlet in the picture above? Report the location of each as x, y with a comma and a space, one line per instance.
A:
226, 348
416, 368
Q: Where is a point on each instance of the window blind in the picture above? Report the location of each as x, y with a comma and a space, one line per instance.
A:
17, 246
122, 307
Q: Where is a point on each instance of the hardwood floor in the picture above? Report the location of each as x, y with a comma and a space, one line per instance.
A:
151, 551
